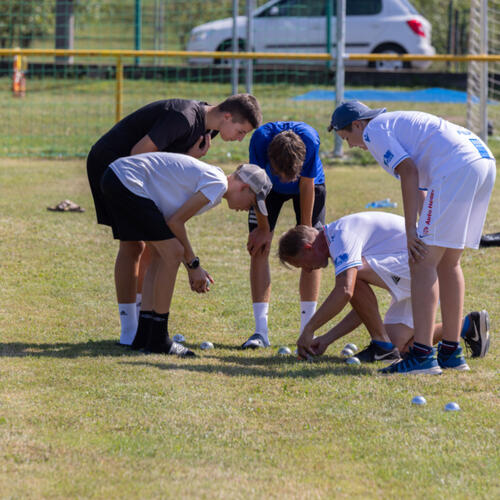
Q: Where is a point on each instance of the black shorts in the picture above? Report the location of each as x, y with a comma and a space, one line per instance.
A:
132, 217
274, 202
97, 162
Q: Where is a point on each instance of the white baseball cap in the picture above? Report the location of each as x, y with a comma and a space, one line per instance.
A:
258, 181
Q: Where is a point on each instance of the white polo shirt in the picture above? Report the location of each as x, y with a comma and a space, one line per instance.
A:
170, 179
363, 235
436, 146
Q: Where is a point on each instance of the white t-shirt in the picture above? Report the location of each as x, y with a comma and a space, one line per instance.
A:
170, 179
360, 235
437, 147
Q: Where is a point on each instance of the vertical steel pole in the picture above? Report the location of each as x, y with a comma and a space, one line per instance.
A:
235, 48
340, 70
249, 45
65, 29
328, 19
138, 28
483, 96
119, 89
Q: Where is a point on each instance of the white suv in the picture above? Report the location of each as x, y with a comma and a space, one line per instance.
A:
372, 26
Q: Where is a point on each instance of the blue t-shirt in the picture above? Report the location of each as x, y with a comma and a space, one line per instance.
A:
312, 166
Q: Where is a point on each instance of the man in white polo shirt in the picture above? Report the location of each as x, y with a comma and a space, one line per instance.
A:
150, 197
367, 248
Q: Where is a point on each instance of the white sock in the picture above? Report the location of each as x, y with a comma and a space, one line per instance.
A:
260, 312
128, 321
307, 310
138, 303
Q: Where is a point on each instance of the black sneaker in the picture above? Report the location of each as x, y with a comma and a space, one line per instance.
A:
373, 352
181, 351
476, 337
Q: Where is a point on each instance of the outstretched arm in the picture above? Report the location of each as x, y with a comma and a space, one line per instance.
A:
176, 223
334, 303
349, 323
306, 188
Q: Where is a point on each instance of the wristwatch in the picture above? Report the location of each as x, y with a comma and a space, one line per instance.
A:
194, 264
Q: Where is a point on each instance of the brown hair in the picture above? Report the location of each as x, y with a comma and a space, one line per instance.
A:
243, 107
294, 240
287, 153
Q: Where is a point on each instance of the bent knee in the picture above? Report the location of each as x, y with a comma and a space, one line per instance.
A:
132, 249
169, 250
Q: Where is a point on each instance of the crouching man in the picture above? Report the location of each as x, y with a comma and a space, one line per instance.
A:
368, 248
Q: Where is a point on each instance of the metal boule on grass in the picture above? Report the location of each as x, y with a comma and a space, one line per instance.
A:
451, 406
346, 352
419, 400
353, 360
284, 351
351, 346
206, 345
179, 338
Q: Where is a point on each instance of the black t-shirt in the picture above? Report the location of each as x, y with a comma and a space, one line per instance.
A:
174, 125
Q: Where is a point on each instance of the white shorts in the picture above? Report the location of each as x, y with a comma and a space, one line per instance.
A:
395, 273
455, 207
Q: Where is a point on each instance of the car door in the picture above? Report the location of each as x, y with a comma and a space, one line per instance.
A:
291, 26
363, 28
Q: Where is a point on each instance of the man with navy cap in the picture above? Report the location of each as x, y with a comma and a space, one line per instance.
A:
447, 175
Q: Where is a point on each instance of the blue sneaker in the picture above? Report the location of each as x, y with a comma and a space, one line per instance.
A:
412, 364
453, 360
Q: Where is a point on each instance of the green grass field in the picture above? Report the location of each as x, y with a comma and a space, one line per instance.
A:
83, 418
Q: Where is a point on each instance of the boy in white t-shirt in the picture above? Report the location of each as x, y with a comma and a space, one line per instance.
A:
150, 197
367, 248
457, 171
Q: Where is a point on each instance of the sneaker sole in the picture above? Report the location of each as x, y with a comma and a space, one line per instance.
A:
460, 368
254, 346
436, 370
484, 327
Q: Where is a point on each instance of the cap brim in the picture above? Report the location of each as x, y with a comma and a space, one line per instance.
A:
261, 205
372, 113
329, 128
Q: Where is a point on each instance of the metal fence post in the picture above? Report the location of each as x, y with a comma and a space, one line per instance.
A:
138, 28
340, 71
483, 93
119, 88
235, 48
249, 47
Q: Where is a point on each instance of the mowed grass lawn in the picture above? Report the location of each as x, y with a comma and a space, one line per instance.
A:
81, 417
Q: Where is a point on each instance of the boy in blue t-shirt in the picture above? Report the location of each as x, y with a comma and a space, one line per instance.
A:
289, 153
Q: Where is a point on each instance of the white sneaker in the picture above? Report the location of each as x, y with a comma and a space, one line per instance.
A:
179, 350
255, 342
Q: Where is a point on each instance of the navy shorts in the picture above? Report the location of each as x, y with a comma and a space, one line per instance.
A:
132, 217
274, 202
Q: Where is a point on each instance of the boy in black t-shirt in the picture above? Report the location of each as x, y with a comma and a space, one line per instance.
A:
173, 125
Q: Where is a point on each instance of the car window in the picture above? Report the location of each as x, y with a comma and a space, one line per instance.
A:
363, 7
409, 6
295, 8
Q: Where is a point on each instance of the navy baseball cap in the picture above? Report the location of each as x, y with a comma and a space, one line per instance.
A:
350, 111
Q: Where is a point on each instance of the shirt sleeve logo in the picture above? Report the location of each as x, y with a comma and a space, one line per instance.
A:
388, 157
341, 259
366, 138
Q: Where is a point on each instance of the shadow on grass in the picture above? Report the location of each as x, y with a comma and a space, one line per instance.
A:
247, 364
262, 366
65, 349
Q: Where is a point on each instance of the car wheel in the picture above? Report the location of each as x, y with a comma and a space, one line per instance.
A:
389, 48
227, 46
